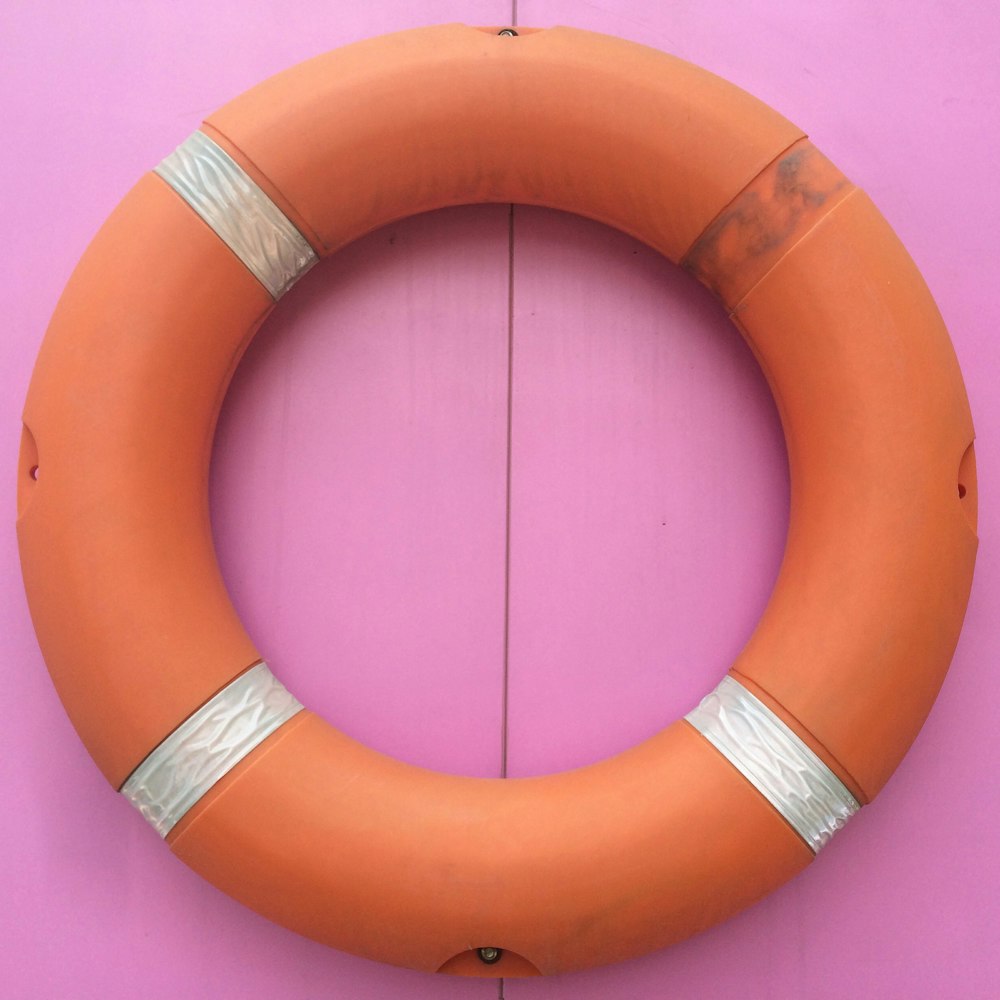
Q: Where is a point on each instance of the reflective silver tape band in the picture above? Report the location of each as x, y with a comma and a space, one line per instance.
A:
244, 218
775, 761
207, 745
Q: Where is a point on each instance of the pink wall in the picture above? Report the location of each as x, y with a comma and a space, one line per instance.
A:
359, 494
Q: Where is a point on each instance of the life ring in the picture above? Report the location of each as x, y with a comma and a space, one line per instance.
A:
495, 877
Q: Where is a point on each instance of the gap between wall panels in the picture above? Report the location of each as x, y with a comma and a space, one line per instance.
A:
510, 427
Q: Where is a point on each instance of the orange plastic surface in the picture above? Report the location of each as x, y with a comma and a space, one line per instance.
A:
451, 115
130, 610
563, 872
575, 869
881, 546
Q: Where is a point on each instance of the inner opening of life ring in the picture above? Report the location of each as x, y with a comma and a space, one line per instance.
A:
360, 486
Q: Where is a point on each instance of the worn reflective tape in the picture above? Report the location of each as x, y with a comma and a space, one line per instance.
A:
813, 800
207, 745
241, 214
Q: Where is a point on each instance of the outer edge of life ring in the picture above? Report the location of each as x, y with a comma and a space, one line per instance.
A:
496, 877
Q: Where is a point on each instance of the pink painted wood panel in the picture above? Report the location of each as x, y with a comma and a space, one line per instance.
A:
649, 494
904, 98
359, 495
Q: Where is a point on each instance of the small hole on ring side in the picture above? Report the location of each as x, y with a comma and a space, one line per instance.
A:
961, 491
33, 472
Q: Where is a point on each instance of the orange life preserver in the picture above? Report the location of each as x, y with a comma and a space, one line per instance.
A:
496, 877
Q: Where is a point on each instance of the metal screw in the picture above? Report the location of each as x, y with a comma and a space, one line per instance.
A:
506, 33
490, 956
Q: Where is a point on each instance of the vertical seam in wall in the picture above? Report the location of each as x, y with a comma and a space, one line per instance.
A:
510, 426
507, 499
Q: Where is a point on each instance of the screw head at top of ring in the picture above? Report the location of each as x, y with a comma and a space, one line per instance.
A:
490, 956
507, 33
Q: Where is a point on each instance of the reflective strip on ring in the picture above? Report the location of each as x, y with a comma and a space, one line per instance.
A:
208, 745
813, 800
241, 214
